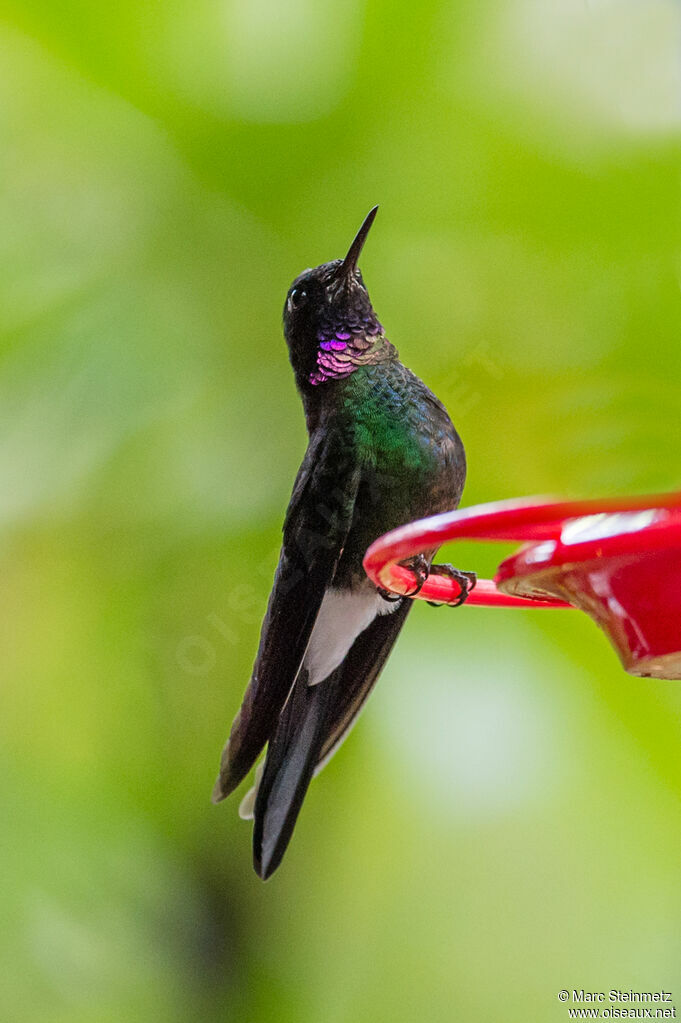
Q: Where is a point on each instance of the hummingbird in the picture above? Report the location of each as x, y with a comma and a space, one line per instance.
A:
382, 451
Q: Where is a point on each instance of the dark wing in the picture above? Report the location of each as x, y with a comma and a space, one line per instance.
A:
315, 530
360, 672
312, 725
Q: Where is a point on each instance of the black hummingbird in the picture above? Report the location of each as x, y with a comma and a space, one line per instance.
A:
382, 451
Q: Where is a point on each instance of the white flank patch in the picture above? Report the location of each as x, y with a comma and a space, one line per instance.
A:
342, 616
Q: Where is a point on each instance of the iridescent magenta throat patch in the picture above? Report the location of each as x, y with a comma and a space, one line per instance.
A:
341, 351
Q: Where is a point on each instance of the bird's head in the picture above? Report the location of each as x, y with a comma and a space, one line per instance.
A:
328, 317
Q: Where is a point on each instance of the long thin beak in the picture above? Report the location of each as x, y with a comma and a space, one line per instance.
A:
349, 264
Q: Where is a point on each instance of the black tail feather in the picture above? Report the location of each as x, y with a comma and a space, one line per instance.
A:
291, 759
312, 724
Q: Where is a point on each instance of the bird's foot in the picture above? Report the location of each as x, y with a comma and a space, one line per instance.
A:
419, 566
421, 569
466, 581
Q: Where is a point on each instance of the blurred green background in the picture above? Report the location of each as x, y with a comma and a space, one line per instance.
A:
506, 819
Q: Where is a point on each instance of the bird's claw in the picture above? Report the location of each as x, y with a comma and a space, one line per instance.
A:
421, 569
466, 581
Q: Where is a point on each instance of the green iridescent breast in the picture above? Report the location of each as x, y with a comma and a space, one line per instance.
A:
390, 421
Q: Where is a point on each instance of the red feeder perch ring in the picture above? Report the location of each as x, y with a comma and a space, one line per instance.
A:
618, 559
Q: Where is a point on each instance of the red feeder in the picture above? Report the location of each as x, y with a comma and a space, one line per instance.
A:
619, 560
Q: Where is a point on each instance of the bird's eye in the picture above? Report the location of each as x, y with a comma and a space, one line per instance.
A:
297, 297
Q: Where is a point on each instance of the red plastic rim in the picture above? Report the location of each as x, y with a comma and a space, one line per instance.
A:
635, 534
529, 519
